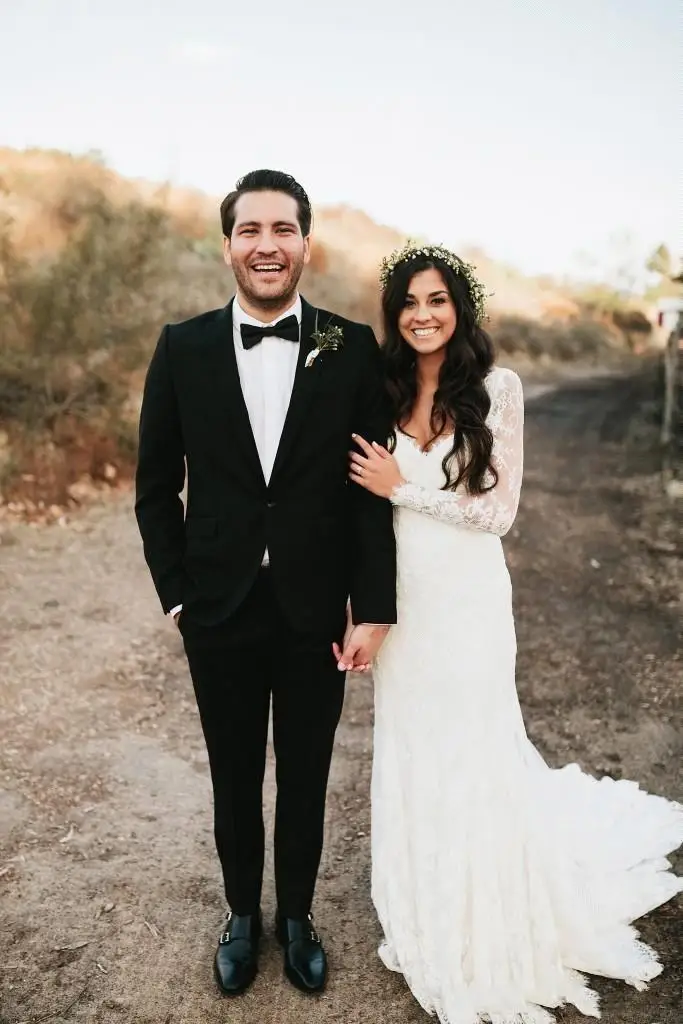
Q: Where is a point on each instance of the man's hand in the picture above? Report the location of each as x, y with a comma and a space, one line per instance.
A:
336, 649
360, 647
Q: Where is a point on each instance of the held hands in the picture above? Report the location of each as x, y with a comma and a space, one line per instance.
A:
376, 470
361, 644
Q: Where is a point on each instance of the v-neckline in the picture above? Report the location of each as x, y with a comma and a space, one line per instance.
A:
434, 444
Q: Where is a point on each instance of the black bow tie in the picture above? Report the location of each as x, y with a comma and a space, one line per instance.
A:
287, 328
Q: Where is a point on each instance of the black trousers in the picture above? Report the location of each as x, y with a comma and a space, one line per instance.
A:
236, 668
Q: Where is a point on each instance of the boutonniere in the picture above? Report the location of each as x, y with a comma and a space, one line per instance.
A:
329, 339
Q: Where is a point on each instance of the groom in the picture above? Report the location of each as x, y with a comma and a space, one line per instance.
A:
258, 401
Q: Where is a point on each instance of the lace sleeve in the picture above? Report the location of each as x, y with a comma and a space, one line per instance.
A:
494, 511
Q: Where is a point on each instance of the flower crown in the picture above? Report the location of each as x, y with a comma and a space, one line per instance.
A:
411, 251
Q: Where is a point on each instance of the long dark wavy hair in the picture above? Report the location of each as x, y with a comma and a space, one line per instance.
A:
461, 399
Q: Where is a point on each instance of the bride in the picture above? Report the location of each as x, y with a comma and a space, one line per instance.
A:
498, 881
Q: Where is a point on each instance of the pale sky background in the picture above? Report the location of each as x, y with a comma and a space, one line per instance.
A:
535, 130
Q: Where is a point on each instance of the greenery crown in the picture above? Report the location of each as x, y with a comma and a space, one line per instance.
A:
412, 250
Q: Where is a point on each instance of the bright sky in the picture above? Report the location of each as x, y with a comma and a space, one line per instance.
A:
535, 130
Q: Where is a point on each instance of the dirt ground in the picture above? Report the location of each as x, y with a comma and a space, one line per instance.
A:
111, 898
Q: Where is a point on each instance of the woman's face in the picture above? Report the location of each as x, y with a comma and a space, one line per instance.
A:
428, 318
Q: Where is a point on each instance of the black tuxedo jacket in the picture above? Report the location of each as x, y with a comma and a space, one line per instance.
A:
327, 538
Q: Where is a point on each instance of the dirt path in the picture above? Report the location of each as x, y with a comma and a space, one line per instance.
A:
111, 898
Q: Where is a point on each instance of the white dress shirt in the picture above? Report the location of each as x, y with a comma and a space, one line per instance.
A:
267, 377
266, 374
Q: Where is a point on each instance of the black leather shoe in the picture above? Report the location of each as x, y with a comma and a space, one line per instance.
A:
305, 959
236, 961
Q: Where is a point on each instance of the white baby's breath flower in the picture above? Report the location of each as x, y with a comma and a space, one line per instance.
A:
329, 339
411, 251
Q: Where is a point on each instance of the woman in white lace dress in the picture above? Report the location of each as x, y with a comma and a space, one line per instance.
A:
497, 880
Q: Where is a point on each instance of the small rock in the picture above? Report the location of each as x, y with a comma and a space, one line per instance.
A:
594, 563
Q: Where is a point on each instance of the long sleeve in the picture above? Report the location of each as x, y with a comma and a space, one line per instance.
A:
159, 479
494, 511
373, 587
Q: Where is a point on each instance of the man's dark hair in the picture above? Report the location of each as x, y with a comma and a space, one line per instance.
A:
267, 181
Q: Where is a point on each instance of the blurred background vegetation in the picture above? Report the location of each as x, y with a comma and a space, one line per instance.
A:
93, 264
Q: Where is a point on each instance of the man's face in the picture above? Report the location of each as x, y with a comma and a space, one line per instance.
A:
266, 250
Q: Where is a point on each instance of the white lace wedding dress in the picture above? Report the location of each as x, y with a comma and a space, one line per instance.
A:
496, 879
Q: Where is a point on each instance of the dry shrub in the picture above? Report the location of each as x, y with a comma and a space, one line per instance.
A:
77, 323
581, 339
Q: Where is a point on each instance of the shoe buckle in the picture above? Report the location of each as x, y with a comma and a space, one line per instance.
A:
225, 936
314, 935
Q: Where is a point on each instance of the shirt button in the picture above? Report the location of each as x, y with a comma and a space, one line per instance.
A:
271, 504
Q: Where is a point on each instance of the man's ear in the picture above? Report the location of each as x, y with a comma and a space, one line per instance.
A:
227, 254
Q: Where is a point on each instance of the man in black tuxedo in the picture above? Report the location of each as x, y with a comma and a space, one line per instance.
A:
258, 402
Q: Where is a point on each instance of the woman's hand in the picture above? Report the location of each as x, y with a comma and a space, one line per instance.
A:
376, 470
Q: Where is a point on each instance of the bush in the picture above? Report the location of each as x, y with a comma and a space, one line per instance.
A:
580, 339
77, 323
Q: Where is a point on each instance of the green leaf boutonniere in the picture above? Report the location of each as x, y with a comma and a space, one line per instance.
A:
329, 339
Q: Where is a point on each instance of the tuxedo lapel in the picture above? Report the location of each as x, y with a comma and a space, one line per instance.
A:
305, 382
230, 389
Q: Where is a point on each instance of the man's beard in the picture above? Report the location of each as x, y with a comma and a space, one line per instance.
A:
271, 299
